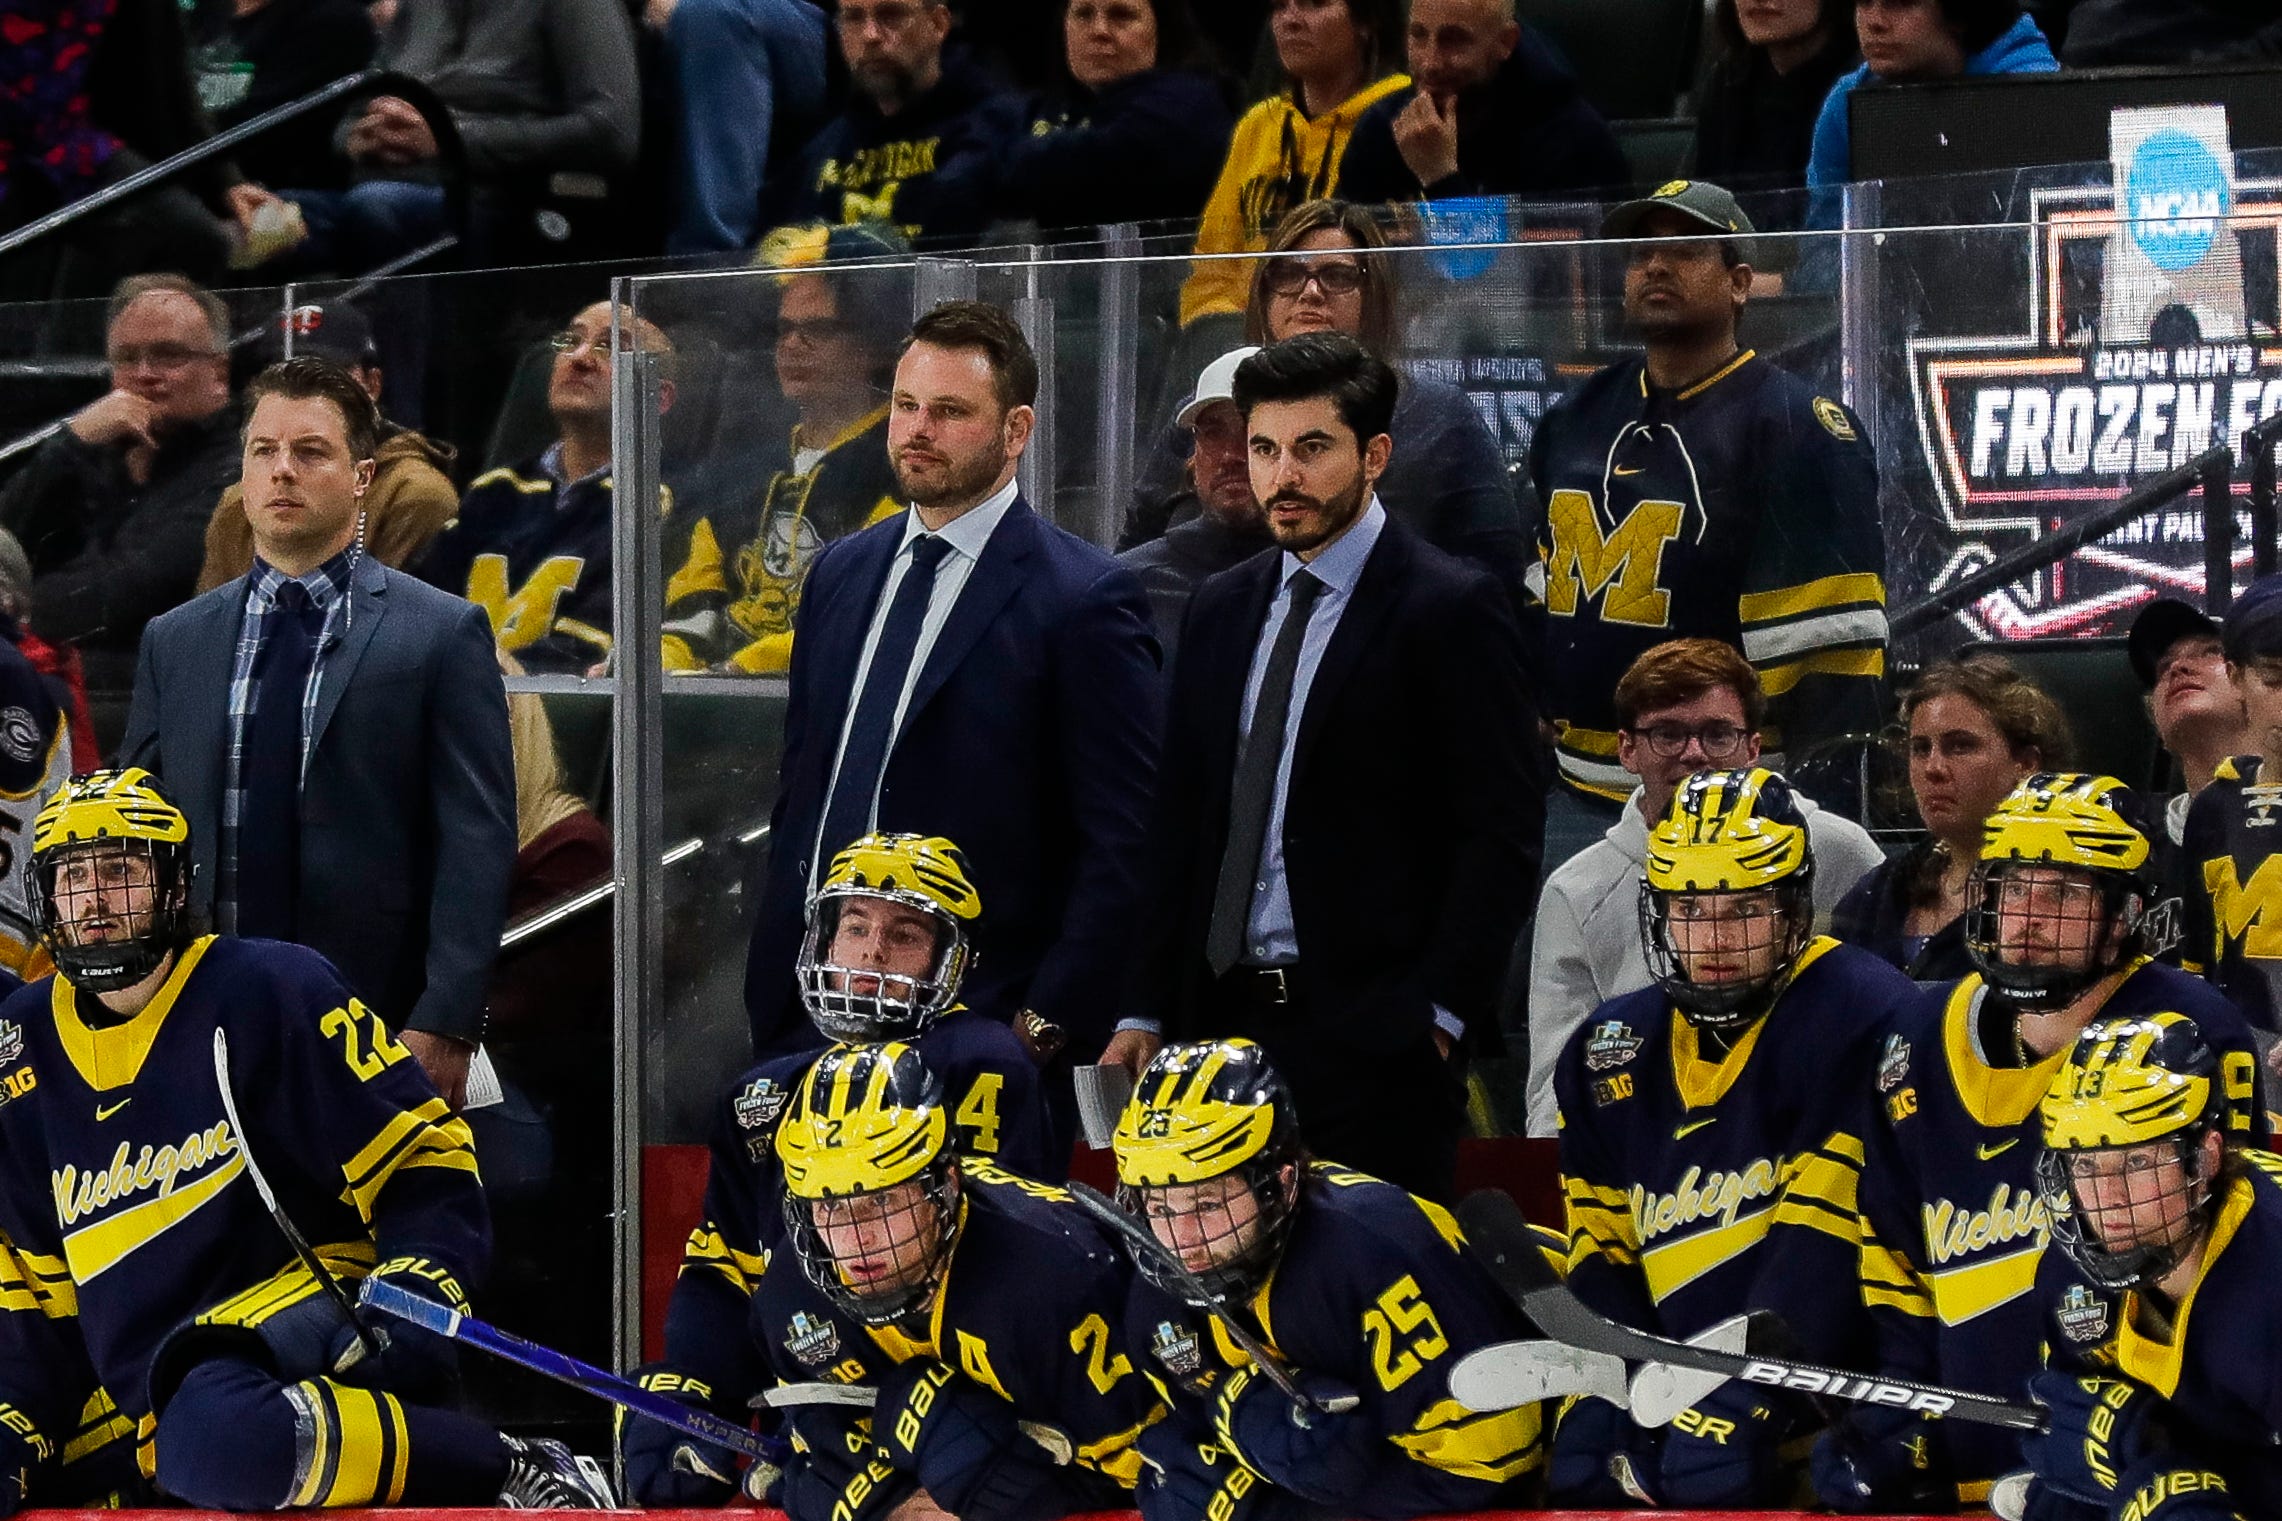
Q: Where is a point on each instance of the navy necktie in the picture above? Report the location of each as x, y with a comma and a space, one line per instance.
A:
871, 732
269, 773
1252, 797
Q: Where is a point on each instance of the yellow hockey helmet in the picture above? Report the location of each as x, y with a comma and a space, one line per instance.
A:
95, 942
2035, 940
2130, 1083
864, 1122
1729, 832
1201, 1112
922, 873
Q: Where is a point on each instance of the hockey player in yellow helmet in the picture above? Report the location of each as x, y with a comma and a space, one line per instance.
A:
2162, 1325
887, 942
1730, 1074
979, 1304
1364, 1290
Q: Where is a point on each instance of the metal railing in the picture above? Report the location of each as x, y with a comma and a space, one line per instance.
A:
2211, 472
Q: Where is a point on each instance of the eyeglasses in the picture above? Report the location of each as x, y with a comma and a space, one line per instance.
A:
158, 356
1720, 742
1288, 277
570, 340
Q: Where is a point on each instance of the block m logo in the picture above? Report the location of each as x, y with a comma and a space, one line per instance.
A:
2247, 911
1625, 569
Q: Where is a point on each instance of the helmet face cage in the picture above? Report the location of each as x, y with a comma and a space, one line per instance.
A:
2141, 1189
904, 1233
1240, 1229
1770, 923
2041, 933
853, 1004
84, 886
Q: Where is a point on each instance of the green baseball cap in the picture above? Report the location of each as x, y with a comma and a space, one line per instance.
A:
1698, 200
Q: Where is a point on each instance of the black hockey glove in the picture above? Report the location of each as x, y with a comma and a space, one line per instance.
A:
1317, 1455
2100, 1427
668, 1469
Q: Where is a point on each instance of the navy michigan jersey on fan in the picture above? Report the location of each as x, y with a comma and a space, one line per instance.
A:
2218, 1359
533, 551
124, 1205
1696, 1183
1027, 1307
1952, 1225
2233, 848
1744, 509
738, 589
991, 1086
1374, 1289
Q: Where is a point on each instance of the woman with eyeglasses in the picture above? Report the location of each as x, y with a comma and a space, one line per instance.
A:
1328, 272
1134, 131
1976, 729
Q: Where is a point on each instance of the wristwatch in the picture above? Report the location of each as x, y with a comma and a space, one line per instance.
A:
1041, 1035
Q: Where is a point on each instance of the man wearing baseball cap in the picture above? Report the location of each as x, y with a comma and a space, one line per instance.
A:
411, 497
2234, 924
1700, 492
2176, 654
1229, 527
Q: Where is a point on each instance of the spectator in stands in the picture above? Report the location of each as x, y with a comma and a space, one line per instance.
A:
112, 508
1445, 479
534, 88
2106, 33
58, 663
1229, 527
411, 497
1686, 706
730, 602
738, 71
1136, 131
531, 544
256, 55
1905, 40
1358, 669
1976, 728
1491, 110
920, 139
2230, 849
337, 734
1760, 101
39, 719
1701, 490
2181, 665
1338, 58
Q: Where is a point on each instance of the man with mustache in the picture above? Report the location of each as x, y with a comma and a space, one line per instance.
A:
1356, 673
1700, 492
965, 668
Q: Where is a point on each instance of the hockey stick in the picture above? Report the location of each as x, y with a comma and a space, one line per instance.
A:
371, 1340
1142, 1242
1500, 1236
859, 1396
443, 1320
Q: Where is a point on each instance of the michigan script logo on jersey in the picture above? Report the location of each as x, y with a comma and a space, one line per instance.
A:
180, 1179
1623, 569
1701, 1196
2013, 1214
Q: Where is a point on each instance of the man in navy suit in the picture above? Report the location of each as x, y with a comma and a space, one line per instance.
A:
337, 733
967, 669
1351, 798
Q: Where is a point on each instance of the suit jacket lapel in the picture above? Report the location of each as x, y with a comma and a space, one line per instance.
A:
368, 601
997, 576
1232, 672
1376, 591
870, 553
205, 684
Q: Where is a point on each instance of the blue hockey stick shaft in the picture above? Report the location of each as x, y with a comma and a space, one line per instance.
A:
445, 1321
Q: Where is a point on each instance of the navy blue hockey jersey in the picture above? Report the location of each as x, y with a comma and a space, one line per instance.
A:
1699, 1185
1375, 1289
125, 1210
2233, 848
1744, 509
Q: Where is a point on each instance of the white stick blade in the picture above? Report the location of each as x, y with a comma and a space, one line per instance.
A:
1523, 1372
1660, 1391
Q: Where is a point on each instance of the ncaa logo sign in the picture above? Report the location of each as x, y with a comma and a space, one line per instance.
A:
2179, 197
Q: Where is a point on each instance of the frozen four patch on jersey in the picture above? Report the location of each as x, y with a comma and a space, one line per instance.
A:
1893, 1063
2083, 1315
1176, 1347
1611, 1045
814, 1341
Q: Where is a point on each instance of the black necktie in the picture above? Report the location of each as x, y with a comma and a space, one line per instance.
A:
269, 773
1254, 793
872, 731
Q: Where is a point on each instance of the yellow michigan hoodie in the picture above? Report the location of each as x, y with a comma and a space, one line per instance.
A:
1279, 157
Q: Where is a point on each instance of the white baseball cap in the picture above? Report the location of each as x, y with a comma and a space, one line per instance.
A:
1217, 383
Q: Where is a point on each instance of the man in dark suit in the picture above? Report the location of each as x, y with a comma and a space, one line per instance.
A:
1350, 800
337, 733
968, 670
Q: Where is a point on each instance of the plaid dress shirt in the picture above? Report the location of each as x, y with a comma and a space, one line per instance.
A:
328, 588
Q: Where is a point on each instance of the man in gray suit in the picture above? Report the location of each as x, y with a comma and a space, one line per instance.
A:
337, 733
